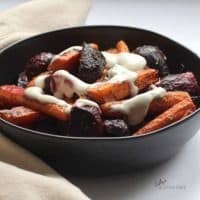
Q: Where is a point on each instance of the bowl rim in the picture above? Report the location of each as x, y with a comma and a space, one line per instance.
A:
149, 134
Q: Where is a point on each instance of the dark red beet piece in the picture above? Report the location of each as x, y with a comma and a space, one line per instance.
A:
92, 63
85, 121
155, 58
48, 85
116, 128
184, 82
38, 64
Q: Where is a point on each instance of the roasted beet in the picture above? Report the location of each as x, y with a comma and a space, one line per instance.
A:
92, 63
116, 128
22, 80
184, 82
85, 121
38, 64
48, 85
155, 58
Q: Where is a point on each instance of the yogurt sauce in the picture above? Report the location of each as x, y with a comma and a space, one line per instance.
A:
68, 85
130, 61
36, 93
136, 108
119, 74
122, 67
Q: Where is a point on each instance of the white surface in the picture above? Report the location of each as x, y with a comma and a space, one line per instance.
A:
180, 176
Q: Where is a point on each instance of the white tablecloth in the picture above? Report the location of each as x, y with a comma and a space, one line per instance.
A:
179, 178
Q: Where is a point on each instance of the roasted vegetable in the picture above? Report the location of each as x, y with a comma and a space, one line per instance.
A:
85, 121
121, 46
117, 91
173, 114
92, 63
182, 82
38, 64
68, 61
21, 116
155, 58
116, 128
156, 107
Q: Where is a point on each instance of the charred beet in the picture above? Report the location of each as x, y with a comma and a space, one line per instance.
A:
38, 64
116, 128
92, 63
184, 82
155, 58
85, 121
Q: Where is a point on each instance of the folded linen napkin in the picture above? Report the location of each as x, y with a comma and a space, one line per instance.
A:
39, 16
22, 175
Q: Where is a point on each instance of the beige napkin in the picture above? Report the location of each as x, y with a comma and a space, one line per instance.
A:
39, 16
22, 175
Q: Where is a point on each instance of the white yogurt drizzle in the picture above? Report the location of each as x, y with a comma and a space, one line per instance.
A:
68, 85
40, 80
121, 67
119, 74
136, 108
37, 94
130, 61
119, 71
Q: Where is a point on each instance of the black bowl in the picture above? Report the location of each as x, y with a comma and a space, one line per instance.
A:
80, 155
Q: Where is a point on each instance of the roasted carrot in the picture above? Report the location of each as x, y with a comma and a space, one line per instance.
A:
121, 46
117, 91
173, 114
146, 78
21, 115
109, 92
171, 98
156, 107
10, 95
68, 61
14, 95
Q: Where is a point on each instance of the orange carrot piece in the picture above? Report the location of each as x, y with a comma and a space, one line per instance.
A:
117, 91
121, 46
160, 105
21, 115
68, 61
156, 107
14, 95
10, 96
146, 78
173, 114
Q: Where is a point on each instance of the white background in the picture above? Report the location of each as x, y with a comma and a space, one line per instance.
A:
180, 21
